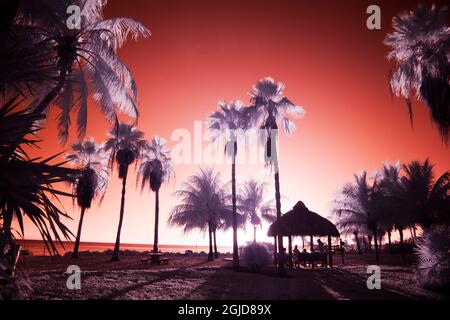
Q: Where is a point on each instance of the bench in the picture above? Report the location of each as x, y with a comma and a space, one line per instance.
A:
155, 259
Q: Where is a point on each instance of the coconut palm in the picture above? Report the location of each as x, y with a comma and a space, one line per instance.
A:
26, 184
203, 205
155, 169
360, 206
125, 143
85, 58
426, 199
270, 109
228, 124
397, 214
91, 182
254, 207
419, 45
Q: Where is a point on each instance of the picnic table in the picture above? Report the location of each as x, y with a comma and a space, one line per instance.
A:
312, 259
156, 258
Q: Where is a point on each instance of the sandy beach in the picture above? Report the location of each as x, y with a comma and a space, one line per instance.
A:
192, 277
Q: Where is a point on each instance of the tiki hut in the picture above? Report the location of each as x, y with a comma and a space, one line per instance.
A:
302, 222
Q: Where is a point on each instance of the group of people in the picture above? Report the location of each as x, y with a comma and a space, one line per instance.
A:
297, 254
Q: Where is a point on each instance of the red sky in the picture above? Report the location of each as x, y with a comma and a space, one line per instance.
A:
204, 51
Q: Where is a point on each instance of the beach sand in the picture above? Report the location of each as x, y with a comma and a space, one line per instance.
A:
192, 277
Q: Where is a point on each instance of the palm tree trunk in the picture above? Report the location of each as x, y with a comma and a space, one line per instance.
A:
115, 256
281, 269
233, 192
216, 253
254, 234
275, 254
155, 239
77, 241
6, 231
377, 253
210, 253
311, 243
369, 238
402, 247
390, 243
357, 242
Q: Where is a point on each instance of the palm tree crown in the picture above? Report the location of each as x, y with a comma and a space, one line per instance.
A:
93, 179
253, 205
227, 123
85, 58
157, 165
419, 46
125, 143
427, 198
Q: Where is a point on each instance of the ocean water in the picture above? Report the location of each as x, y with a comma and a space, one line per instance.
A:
37, 247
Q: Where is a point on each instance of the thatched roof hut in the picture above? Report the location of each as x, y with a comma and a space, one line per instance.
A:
302, 222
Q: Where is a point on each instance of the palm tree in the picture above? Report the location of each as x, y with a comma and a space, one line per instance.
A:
269, 109
155, 169
228, 123
92, 180
360, 206
397, 214
427, 199
252, 204
83, 60
203, 205
125, 143
27, 184
419, 45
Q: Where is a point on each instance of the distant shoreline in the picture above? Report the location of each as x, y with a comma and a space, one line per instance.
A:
37, 247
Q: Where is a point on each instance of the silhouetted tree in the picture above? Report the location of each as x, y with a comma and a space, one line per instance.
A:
125, 143
419, 46
155, 169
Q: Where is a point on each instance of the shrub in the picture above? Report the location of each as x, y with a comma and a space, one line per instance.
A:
256, 256
433, 270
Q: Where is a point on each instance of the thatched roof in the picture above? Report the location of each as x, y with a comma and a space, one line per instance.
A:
302, 222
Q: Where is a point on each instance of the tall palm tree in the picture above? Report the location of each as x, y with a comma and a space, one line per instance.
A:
203, 205
27, 184
360, 205
397, 214
155, 169
125, 143
84, 59
270, 109
427, 199
227, 123
91, 182
419, 45
253, 205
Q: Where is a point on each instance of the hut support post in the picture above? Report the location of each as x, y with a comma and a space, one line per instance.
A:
341, 246
330, 252
275, 256
312, 243
290, 252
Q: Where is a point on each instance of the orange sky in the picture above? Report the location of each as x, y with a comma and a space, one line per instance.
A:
203, 51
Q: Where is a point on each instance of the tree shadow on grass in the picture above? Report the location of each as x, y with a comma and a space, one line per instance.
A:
162, 275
